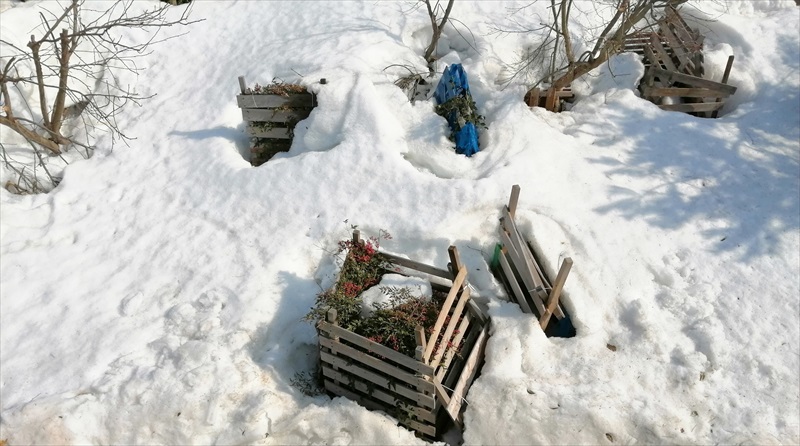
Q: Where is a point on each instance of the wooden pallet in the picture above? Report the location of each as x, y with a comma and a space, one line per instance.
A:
425, 391
701, 97
673, 46
523, 277
673, 60
548, 98
271, 119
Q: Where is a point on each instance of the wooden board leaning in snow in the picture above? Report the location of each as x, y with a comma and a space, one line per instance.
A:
423, 390
528, 285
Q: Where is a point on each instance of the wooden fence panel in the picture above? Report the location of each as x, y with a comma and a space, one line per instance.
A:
373, 405
378, 349
467, 375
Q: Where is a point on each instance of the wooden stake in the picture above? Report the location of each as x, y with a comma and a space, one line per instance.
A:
512, 202
455, 260
552, 303
724, 81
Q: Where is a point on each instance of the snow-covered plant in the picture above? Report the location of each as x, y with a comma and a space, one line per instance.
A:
362, 268
392, 321
278, 88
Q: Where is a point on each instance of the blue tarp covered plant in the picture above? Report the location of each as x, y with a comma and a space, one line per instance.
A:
456, 105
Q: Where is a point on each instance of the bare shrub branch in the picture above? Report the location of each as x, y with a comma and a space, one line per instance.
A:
79, 50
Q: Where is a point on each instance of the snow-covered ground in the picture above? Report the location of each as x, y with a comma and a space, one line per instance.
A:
156, 295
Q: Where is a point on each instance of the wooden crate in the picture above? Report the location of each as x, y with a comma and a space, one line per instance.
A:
518, 267
271, 119
548, 98
427, 391
701, 97
673, 60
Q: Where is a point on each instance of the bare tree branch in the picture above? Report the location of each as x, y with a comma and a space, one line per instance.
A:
436, 26
70, 51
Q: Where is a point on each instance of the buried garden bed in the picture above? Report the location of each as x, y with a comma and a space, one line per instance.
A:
414, 356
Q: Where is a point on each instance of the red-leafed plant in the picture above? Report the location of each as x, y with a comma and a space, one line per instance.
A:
391, 323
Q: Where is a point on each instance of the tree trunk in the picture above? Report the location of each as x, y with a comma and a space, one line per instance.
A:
33, 137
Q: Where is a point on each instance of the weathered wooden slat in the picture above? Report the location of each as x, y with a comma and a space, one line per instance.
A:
277, 132
725, 75
451, 376
448, 303
688, 108
684, 35
476, 312
545, 296
451, 326
552, 304
650, 57
516, 291
274, 115
519, 246
378, 394
399, 388
455, 261
408, 263
513, 200
375, 363
272, 101
673, 76
467, 375
521, 261
527, 279
378, 349
533, 269
538, 265
683, 92
661, 53
372, 405
559, 94
681, 28
678, 49
452, 352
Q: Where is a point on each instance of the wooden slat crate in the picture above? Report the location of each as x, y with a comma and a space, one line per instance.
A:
527, 284
699, 96
548, 99
271, 119
673, 60
674, 46
422, 392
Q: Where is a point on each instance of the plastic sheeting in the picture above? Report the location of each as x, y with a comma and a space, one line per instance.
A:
454, 84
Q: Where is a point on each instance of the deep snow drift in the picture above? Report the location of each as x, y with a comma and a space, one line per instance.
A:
156, 295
